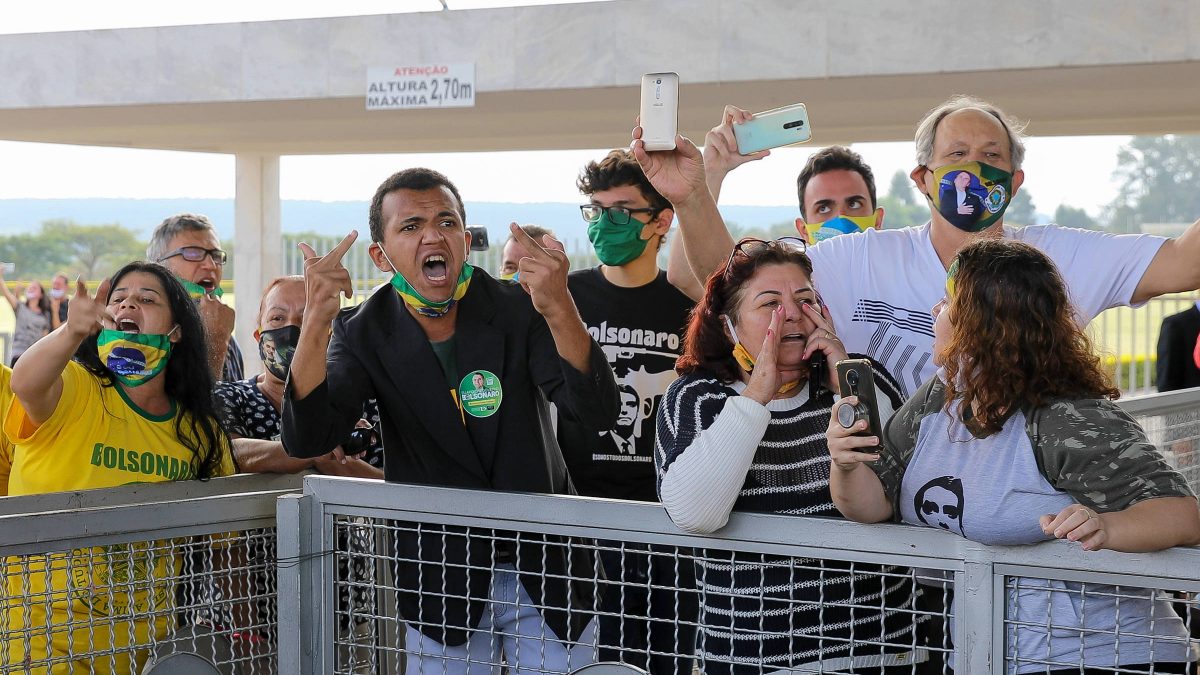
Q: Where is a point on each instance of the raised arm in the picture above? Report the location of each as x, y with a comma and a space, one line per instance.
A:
679, 272
543, 275
37, 377
1174, 268
316, 415
721, 149
8, 294
679, 176
325, 281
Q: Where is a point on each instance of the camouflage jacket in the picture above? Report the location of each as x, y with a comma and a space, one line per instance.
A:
1089, 448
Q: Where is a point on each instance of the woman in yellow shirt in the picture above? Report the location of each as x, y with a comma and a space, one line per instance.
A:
134, 406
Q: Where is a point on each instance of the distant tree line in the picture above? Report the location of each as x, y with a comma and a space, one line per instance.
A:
90, 251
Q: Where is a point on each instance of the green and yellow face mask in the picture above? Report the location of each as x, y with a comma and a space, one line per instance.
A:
818, 232
195, 291
134, 358
951, 275
426, 307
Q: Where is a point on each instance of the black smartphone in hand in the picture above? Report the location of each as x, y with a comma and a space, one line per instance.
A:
855, 378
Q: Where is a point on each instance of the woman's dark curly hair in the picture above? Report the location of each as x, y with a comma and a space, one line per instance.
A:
1014, 340
706, 347
189, 382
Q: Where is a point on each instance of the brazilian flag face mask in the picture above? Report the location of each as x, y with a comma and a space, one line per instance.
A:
194, 291
971, 196
134, 358
422, 305
818, 232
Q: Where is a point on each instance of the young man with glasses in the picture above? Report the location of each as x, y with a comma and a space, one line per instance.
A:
637, 313
187, 244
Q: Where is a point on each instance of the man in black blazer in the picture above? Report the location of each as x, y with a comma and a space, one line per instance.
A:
1176, 342
464, 368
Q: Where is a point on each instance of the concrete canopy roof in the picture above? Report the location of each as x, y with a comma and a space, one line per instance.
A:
565, 76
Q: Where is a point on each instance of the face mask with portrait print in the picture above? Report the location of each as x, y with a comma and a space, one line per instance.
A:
276, 347
818, 232
134, 358
971, 196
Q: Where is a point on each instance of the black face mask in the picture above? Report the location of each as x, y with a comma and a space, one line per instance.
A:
276, 348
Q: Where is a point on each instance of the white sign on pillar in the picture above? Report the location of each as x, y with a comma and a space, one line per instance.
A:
421, 86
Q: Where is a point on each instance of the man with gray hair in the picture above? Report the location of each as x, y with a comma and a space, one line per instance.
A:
187, 244
880, 285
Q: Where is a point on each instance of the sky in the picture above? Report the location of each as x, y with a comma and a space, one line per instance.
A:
1071, 170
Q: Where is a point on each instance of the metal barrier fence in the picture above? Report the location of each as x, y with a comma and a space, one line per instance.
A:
617, 581
771, 593
141, 579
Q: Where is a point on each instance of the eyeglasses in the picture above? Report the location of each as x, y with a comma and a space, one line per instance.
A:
620, 215
751, 246
197, 253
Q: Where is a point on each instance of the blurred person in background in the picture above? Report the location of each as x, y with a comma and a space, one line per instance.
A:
514, 250
59, 287
31, 312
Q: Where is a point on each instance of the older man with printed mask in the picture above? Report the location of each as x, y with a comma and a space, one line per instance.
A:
885, 311
416, 345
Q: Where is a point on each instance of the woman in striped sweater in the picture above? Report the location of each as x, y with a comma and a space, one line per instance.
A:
744, 428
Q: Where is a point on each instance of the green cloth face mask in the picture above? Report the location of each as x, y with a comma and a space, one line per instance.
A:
818, 232
616, 244
134, 358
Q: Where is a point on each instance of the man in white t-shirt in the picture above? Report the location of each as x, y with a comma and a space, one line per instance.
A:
881, 284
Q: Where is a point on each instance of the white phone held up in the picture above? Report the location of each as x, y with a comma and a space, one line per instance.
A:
660, 110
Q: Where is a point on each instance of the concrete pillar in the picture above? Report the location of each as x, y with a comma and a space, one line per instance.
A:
257, 244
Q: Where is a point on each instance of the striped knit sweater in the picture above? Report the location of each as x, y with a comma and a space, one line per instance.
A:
717, 451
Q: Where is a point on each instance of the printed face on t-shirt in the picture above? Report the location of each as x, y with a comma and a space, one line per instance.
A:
939, 503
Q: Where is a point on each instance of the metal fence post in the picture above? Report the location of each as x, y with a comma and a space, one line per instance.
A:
297, 634
977, 617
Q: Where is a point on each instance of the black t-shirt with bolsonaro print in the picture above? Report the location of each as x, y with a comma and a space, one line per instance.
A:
640, 331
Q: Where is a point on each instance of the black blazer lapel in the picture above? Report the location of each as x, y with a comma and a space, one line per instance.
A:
415, 373
481, 346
